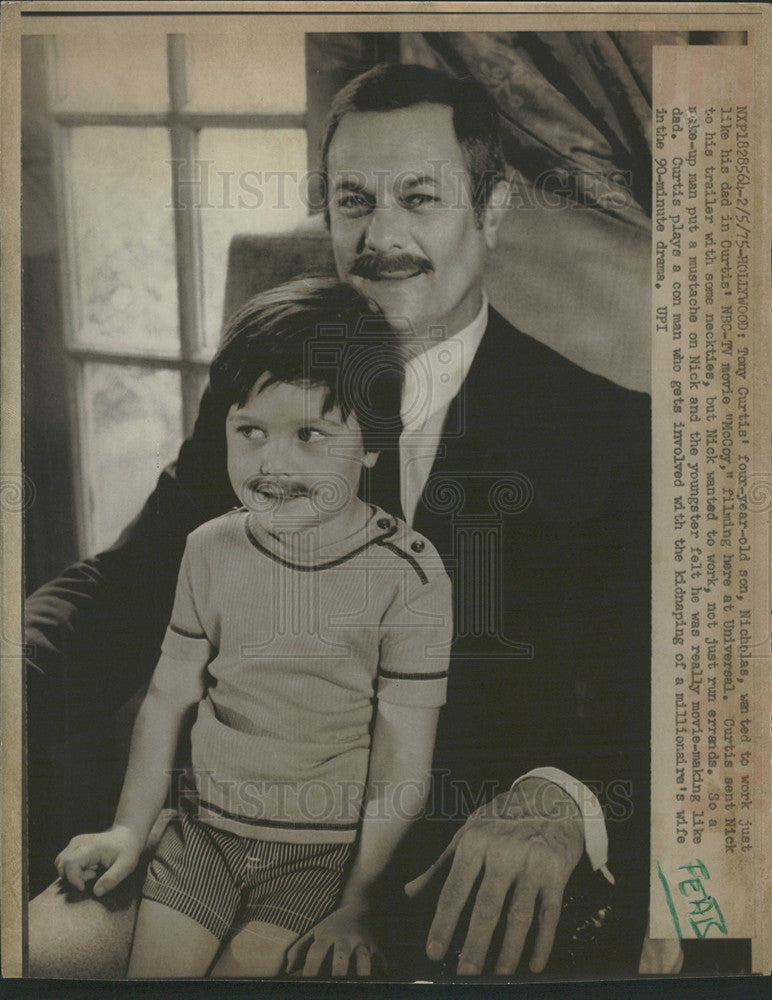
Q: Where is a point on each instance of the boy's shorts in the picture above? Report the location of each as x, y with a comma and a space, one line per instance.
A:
222, 880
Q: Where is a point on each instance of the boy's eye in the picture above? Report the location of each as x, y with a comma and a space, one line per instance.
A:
250, 432
309, 434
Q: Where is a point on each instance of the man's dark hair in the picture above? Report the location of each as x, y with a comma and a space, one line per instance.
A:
391, 87
316, 332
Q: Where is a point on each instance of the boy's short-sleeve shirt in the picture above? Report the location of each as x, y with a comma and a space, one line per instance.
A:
295, 652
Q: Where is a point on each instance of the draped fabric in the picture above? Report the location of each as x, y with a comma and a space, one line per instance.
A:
570, 103
573, 263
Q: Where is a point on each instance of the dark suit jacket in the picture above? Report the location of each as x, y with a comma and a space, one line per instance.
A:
538, 501
550, 553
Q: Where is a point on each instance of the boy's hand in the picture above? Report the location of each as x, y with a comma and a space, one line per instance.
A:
116, 849
347, 932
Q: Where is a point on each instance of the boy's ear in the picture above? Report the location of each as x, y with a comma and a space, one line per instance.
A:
371, 457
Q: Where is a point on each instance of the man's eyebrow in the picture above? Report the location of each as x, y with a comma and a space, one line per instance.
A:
349, 184
420, 181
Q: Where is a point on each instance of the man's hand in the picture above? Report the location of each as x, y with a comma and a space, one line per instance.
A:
117, 850
346, 931
530, 837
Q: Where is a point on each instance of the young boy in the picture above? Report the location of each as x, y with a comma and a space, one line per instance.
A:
312, 630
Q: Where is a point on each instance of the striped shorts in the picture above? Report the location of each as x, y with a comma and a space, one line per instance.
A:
222, 880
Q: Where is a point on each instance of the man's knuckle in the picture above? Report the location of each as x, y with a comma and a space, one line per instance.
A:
487, 908
528, 885
523, 903
501, 864
540, 847
520, 915
467, 847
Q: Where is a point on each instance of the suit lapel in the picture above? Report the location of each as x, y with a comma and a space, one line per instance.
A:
479, 424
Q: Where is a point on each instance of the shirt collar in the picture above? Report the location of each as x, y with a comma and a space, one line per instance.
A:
304, 551
435, 376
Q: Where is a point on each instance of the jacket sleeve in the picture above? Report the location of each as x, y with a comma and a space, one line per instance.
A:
575, 587
95, 631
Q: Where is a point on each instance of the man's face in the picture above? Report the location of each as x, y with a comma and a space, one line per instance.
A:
403, 227
290, 462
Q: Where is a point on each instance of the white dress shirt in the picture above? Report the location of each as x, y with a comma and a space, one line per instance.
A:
433, 378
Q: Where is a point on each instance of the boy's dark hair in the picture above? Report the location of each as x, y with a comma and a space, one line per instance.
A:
316, 332
391, 87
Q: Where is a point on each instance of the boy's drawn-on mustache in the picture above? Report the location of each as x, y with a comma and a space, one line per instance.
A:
376, 265
267, 493
287, 489
279, 489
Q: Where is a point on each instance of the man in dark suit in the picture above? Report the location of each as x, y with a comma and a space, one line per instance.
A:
531, 477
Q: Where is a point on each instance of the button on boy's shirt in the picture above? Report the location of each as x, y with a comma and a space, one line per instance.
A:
296, 650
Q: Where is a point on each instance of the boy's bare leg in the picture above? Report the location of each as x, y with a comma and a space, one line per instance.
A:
256, 949
169, 944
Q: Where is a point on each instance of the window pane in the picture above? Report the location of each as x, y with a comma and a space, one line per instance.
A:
255, 184
202, 379
111, 68
260, 67
123, 233
132, 427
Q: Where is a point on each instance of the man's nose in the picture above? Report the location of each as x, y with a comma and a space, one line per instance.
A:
386, 229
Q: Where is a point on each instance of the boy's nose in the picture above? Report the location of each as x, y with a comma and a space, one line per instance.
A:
273, 458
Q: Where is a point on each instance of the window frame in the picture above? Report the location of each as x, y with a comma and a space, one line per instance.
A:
183, 125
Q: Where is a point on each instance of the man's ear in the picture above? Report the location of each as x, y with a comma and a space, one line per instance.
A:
498, 205
371, 457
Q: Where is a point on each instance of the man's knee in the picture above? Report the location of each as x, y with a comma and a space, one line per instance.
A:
72, 935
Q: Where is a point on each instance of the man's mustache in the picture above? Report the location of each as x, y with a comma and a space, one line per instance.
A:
374, 264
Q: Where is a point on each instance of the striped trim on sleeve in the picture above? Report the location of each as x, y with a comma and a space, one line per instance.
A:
180, 645
419, 690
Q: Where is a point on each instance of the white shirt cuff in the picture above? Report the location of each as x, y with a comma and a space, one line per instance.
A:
595, 835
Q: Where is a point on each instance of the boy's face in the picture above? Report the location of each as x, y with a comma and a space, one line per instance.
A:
290, 462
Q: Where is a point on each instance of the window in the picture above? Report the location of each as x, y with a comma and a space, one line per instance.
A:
165, 146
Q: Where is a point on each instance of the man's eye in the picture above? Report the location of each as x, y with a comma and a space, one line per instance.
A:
419, 200
309, 434
353, 203
250, 432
